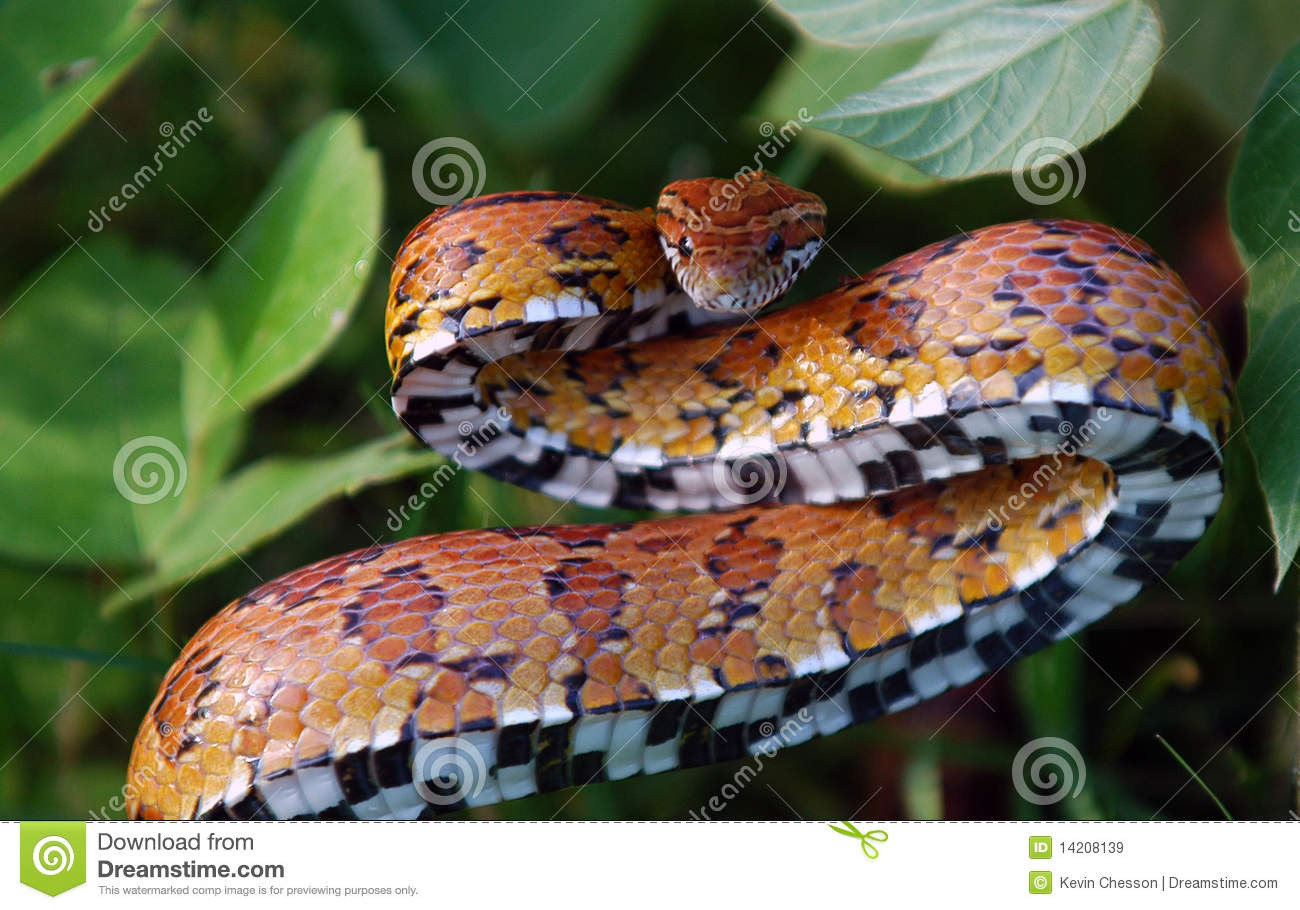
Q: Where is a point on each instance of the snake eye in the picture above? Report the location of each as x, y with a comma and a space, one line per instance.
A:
775, 245
684, 247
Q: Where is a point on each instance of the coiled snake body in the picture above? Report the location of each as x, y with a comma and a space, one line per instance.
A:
952, 461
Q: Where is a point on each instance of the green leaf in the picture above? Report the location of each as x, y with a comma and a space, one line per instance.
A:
804, 83
93, 459
258, 502
562, 58
1009, 80
55, 63
290, 279
1261, 202
876, 23
1244, 38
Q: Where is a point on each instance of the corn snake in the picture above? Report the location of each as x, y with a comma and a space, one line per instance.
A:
899, 486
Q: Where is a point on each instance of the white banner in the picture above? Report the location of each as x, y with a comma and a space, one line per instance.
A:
655, 865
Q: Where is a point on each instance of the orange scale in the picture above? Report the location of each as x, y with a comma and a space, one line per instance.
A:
477, 634
1033, 263
1170, 376
434, 717
1136, 365
1040, 296
985, 322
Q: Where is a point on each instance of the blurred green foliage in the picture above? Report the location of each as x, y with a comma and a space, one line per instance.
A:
254, 261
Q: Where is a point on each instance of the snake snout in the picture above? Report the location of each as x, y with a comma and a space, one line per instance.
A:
741, 278
737, 245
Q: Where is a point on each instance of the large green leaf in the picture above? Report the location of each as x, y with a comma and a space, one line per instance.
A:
288, 282
92, 463
258, 502
1244, 39
1262, 205
1007, 84
804, 83
55, 63
878, 22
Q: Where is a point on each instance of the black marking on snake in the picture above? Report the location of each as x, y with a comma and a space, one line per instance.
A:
696, 736
906, 468
895, 688
865, 703
1025, 311
968, 348
353, 774
552, 770
878, 476
1030, 378
250, 807
515, 745
405, 570
1051, 521
985, 540
1087, 328
616, 231
665, 722
352, 612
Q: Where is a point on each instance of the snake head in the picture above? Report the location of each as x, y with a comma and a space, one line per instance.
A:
736, 245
